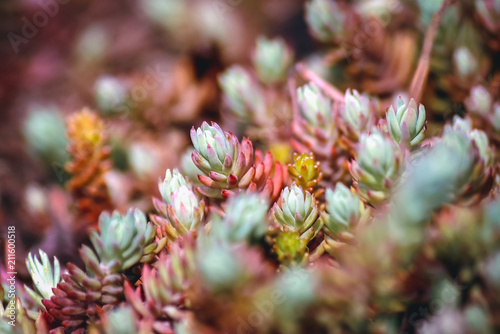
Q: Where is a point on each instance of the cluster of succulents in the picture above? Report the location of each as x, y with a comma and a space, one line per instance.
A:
258, 97
370, 224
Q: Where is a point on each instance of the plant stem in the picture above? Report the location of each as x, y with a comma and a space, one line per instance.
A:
422, 71
333, 92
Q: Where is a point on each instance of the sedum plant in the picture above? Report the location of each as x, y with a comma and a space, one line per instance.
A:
90, 161
464, 61
325, 19
228, 166
315, 108
181, 210
258, 95
306, 172
121, 320
242, 95
43, 130
246, 240
377, 166
295, 218
296, 210
171, 183
127, 238
44, 278
315, 130
479, 101
407, 124
344, 209
164, 288
244, 219
344, 212
272, 59
123, 241
357, 113
110, 94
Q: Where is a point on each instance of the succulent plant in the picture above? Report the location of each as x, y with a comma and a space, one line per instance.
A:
121, 320
220, 157
244, 220
344, 213
296, 210
14, 319
228, 166
142, 161
181, 211
171, 183
123, 241
377, 165
325, 20
128, 239
89, 153
43, 130
465, 62
164, 288
185, 208
242, 94
344, 209
357, 113
226, 267
294, 224
407, 125
479, 101
272, 60
110, 93
43, 277
306, 172
220, 268
291, 249
482, 143
81, 296
475, 164
314, 129
315, 107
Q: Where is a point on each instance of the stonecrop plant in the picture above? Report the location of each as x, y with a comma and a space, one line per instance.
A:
382, 215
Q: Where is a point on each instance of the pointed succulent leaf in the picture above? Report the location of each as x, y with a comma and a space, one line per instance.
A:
44, 277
